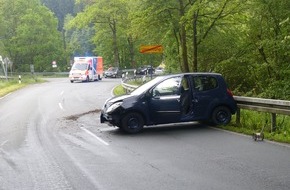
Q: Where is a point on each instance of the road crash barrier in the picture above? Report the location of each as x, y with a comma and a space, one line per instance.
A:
263, 105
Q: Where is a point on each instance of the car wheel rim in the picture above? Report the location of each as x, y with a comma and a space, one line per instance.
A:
133, 123
222, 116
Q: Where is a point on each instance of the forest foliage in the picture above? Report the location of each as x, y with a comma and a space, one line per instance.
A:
247, 41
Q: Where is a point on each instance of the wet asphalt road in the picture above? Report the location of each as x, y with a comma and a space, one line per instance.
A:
51, 138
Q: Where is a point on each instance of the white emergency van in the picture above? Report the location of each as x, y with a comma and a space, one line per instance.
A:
86, 69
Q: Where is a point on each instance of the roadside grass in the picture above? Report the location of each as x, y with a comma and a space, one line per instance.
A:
11, 85
119, 90
251, 122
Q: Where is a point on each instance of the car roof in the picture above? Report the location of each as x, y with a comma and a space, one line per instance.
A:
158, 79
192, 73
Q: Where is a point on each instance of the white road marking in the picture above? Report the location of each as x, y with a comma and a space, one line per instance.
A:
60, 106
4, 143
92, 134
5, 96
108, 129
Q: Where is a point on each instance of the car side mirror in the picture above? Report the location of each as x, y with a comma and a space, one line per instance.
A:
155, 94
150, 94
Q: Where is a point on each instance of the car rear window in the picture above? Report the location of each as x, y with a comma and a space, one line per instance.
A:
204, 83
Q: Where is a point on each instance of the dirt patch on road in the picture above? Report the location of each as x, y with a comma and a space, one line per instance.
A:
75, 117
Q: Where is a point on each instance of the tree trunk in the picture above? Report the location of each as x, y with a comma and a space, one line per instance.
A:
115, 44
195, 69
183, 39
132, 53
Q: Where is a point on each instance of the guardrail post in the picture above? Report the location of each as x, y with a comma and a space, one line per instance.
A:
144, 79
273, 122
238, 116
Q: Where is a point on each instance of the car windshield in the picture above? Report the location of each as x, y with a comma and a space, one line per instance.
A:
141, 89
80, 66
113, 69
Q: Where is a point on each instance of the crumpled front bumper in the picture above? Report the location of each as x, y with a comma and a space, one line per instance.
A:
104, 118
112, 120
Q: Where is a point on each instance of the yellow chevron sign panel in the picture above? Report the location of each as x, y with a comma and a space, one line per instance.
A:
151, 49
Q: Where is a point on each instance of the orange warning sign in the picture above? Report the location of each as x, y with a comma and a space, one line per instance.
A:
151, 49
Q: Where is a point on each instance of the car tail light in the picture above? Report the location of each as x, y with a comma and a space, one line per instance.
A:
229, 92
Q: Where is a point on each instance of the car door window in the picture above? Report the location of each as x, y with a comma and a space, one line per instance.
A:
169, 87
204, 83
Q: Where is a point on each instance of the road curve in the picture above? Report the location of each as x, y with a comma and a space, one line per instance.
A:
51, 138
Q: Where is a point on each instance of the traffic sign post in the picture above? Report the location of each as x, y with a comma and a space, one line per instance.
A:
54, 65
5, 63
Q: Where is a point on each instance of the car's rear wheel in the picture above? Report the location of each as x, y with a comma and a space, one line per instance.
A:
221, 115
132, 122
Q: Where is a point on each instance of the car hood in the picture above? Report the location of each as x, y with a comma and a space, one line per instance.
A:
119, 98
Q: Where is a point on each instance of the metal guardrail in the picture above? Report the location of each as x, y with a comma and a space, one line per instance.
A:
128, 87
256, 104
263, 105
5, 77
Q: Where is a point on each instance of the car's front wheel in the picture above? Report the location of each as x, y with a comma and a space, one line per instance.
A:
221, 115
132, 122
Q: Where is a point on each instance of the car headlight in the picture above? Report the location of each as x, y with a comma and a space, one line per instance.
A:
113, 107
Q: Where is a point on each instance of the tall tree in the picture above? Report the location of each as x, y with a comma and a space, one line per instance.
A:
105, 16
30, 35
11, 12
269, 37
79, 40
61, 9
